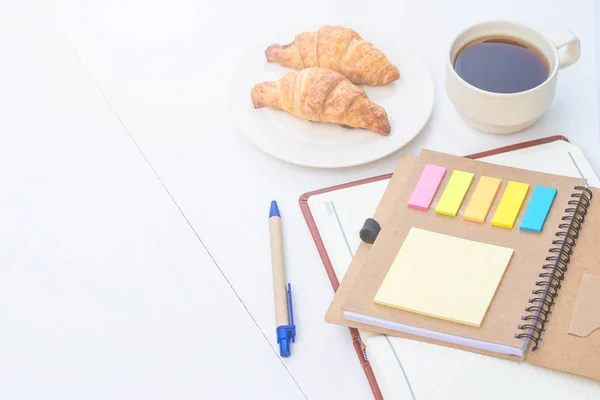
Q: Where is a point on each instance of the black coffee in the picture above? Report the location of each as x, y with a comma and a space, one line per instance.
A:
501, 64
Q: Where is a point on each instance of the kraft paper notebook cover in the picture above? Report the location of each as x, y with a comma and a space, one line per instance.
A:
504, 332
554, 154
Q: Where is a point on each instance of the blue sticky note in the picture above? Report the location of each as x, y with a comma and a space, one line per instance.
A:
538, 209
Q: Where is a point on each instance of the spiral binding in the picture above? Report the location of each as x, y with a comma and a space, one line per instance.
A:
554, 271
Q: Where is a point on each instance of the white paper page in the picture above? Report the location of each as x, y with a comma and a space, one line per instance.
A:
438, 372
559, 158
339, 216
388, 368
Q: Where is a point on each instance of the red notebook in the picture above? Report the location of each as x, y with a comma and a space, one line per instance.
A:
310, 220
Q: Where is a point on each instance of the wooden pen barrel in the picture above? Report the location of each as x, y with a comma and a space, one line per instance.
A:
279, 279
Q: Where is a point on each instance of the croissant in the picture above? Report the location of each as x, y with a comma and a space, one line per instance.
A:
320, 94
337, 48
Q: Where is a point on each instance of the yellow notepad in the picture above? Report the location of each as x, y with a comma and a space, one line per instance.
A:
444, 277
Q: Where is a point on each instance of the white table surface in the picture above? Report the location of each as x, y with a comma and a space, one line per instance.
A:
134, 219
105, 290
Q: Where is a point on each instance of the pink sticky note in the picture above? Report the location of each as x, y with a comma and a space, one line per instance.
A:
426, 187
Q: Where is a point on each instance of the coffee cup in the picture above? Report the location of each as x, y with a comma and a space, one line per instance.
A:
496, 112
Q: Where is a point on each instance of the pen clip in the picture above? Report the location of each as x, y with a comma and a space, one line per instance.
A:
291, 311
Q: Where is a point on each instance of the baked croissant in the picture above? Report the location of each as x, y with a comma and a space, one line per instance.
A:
320, 94
337, 48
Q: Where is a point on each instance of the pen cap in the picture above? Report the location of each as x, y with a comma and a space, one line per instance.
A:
274, 210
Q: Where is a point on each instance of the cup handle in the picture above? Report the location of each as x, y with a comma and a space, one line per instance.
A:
572, 51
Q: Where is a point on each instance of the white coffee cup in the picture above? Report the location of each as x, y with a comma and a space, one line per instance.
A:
507, 112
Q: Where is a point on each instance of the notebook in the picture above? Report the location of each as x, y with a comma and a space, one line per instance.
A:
526, 297
336, 214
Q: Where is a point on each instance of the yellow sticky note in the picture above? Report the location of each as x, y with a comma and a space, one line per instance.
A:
510, 204
444, 277
454, 193
482, 199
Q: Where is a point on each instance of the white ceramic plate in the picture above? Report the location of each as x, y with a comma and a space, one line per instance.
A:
408, 103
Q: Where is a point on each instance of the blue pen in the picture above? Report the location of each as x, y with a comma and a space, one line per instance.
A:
284, 313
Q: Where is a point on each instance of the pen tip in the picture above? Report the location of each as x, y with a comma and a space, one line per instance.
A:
274, 211
284, 348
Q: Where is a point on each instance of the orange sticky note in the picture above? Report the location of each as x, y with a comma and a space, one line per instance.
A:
482, 199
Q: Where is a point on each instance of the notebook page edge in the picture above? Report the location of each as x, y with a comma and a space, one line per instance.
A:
433, 335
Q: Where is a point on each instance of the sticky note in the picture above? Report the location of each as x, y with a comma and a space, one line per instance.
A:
426, 187
454, 193
444, 277
510, 204
482, 199
538, 209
